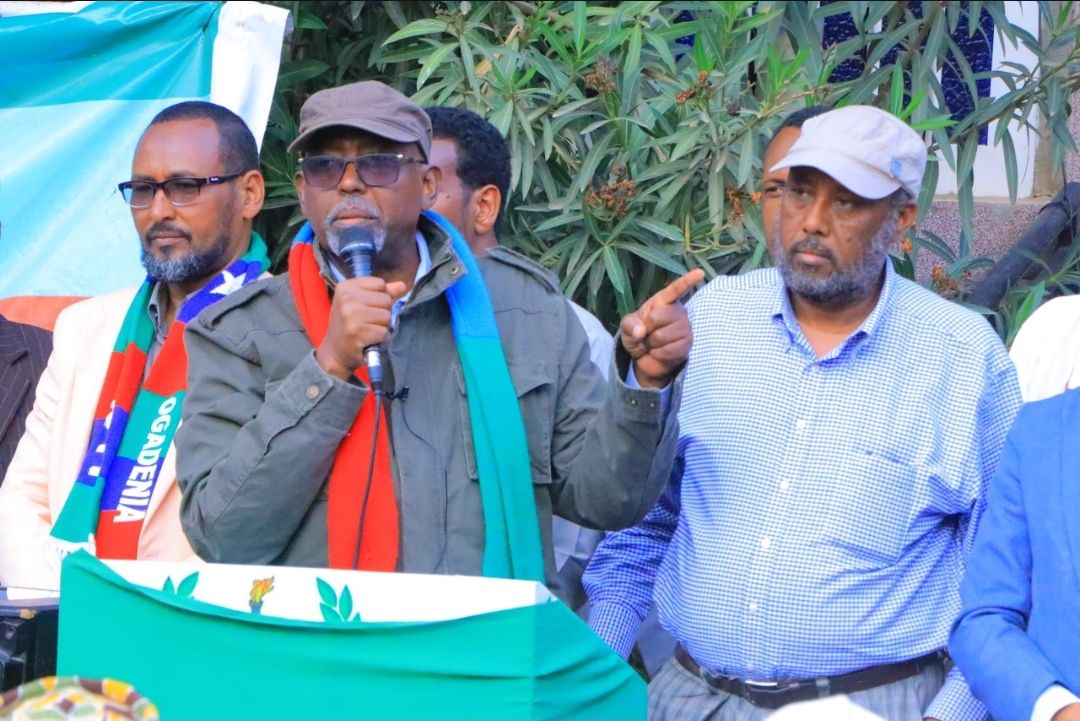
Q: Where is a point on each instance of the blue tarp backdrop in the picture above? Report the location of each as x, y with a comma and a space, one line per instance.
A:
76, 91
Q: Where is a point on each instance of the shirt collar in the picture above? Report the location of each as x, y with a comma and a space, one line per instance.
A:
158, 300
422, 269
884, 302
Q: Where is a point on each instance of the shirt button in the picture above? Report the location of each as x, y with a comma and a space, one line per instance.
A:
800, 424
766, 543
785, 484
312, 392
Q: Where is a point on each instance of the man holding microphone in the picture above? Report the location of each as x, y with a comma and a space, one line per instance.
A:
491, 414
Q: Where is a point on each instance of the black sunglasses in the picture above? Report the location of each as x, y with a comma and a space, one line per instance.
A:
376, 170
179, 191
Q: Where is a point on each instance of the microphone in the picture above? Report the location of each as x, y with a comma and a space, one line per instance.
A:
356, 249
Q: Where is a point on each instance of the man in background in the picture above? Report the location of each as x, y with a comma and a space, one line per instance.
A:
774, 179
95, 468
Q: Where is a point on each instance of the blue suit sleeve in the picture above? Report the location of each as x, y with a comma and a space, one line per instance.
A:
989, 642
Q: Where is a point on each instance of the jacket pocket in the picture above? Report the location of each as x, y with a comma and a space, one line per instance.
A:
533, 383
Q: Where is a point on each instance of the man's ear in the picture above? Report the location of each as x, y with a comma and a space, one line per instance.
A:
254, 188
486, 202
430, 189
301, 188
906, 221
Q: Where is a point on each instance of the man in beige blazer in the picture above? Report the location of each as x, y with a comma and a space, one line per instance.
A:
194, 191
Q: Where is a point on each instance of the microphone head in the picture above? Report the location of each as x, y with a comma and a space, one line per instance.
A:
356, 250
356, 239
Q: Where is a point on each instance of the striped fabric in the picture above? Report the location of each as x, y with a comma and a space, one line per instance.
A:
825, 506
24, 351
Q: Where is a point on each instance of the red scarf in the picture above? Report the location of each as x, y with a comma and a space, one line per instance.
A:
348, 478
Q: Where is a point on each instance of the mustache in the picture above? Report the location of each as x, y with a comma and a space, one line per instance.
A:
355, 206
811, 244
159, 229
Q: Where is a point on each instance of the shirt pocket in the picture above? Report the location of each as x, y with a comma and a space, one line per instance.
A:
871, 513
534, 385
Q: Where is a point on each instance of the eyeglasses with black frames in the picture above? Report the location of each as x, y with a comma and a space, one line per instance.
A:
179, 191
376, 170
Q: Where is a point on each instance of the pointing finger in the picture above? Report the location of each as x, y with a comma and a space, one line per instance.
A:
679, 287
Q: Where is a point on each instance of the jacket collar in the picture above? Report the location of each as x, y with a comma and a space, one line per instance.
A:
446, 267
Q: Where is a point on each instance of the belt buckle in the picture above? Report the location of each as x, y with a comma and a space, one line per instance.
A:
765, 694
762, 685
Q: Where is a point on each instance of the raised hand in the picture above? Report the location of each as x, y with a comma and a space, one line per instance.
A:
657, 335
359, 317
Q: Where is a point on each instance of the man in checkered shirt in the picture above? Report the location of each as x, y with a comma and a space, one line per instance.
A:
838, 428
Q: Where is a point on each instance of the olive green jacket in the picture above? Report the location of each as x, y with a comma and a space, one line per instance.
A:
262, 422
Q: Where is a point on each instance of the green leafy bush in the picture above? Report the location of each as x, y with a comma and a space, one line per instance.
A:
637, 128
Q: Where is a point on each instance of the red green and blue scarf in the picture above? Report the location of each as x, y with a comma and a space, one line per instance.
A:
512, 531
135, 421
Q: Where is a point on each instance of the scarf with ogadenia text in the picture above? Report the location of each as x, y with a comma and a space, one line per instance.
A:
135, 421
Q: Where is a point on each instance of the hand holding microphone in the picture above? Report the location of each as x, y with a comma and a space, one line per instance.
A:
360, 313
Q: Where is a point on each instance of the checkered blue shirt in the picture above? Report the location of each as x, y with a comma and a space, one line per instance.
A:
820, 510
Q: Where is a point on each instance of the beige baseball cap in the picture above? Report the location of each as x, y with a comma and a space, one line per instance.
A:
370, 106
870, 152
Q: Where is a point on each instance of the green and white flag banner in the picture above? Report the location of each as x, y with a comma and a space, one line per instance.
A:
209, 641
80, 82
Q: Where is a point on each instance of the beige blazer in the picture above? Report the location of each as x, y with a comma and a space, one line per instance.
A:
51, 451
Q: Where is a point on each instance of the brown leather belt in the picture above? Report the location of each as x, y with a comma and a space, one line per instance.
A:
781, 693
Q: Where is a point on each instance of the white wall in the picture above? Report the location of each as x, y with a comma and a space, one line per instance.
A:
989, 165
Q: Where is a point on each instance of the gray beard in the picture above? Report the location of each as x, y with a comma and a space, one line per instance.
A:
188, 267
843, 287
333, 237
